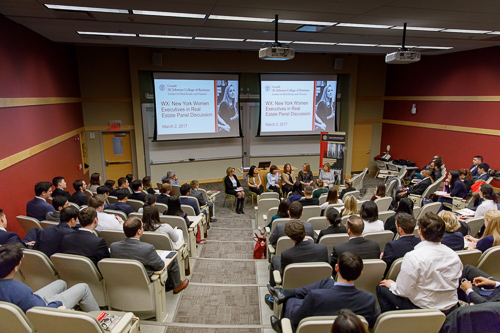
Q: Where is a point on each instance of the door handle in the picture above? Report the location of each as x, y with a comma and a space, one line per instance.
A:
108, 163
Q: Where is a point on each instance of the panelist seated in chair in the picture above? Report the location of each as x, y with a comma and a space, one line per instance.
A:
53, 295
273, 180
419, 188
327, 297
295, 211
233, 187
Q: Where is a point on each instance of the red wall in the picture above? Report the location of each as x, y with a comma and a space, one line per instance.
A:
471, 73
32, 66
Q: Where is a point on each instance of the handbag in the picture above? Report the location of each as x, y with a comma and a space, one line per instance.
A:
259, 251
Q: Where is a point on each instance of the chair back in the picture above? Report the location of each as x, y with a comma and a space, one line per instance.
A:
158, 185
356, 181
310, 211
111, 236
49, 320
416, 211
28, 223
263, 207
355, 194
135, 214
390, 188
112, 199
159, 240
269, 195
128, 284
135, 204
321, 324
270, 213
413, 321
344, 219
319, 222
76, 269
469, 257
161, 207
332, 240
475, 224
177, 190
44, 224
322, 198
383, 204
14, 319
75, 205
489, 262
429, 208
116, 212
188, 210
176, 221
204, 194
373, 272
337, 206
304, 274
394, 270
279, 220
381, 165
392, 167
284, 243
384, 215
88, 193
195, 200
402, 172
381, 237
415, 232
37, 269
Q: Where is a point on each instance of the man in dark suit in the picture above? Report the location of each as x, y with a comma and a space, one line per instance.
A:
51, 237
58, 202
365, 248
484, 289
133, 248
122, 183
308, 199
137, 188
7, 236
121, 204
419, 188
474, 168
60, 184
195, 185
295, 212
165, 190
79, 197
84, 242
38, 207
327, 297
185, 192
482, 172
405, 224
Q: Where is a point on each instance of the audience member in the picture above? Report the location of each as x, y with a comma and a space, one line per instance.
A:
38, 207
151, 220
273, 180
455, 187
327, 297
51, 237
482, 289
333, 217
365, 248
296, 192
79, 197
482, 170
320, 189
348, 183
104, 190
122, 184
165, 192
185, 192
175, 209
233, 187
7, 236
95, 182
308, 200
491, 235
166, 180
331, 198
149, 200
281, 213
429, 274
466, 177
405, 205
137, 194
405, 225
306, 176
133, 248
195, 185
436, 169
419, 188
106, 221
379, 192
60, 184
121, 204
295, 212
452, 237
288, 178
84, 242
491, 199
58, 202
146, 185
350, 205
327, 176
110, 184
348, 322
173, 178
53, 295
130, 179
369, 214
474, 168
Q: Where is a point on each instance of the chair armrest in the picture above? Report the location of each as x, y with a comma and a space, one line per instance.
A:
267, 230
277, 276
286, 325
271, 249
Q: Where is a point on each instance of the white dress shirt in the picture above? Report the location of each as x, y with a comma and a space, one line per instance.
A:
429, 276
485, 206
107, 221
373, 226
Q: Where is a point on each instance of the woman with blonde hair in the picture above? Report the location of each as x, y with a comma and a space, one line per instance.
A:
491, 236
233, 187
351, 206
452, 237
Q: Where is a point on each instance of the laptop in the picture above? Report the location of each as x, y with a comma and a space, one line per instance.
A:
264, 165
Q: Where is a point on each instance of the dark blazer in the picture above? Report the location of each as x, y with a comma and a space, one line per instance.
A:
132, 248
324, 298
390, 224
398, 248
279, 231
87, 244
115, 192
190, 202
366, 248
60, 191
459, 189
162, 198
229, 185
38, 208
304, 252
420, 187
51, 238
121, 206
473, 170
54, 216
454, 240
197, 194
346, 190
138, 196
483, 176
79, 198
309, 202
340, 229
9, 237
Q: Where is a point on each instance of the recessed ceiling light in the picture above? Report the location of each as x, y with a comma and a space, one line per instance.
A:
465, 31
221, 39
417, 28
359, 25
87, 9
168, 14
314, 43
306, 22
165, 36
434, 47
240, 18
351, 44
106, 34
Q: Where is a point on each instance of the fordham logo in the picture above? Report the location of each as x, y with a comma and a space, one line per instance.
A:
162, 87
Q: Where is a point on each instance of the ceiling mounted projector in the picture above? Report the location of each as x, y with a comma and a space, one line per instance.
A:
403, 55
276, 50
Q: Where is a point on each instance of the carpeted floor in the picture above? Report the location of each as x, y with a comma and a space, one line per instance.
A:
228, 250
228, 233
224, 272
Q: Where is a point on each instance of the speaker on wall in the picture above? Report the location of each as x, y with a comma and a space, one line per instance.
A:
157, 59
339, 62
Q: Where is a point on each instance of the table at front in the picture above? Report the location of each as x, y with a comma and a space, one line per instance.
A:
263, 173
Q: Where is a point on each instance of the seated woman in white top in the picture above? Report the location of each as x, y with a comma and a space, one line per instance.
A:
151, 220
327, 176
273, 180
369, 214
149, 200
491, 199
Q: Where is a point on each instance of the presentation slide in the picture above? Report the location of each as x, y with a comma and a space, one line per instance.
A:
196, 106
297, 104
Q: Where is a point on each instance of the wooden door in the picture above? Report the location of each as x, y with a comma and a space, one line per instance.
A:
117, 154
361, 147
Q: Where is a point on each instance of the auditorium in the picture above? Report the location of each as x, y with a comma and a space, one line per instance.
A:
118, 114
